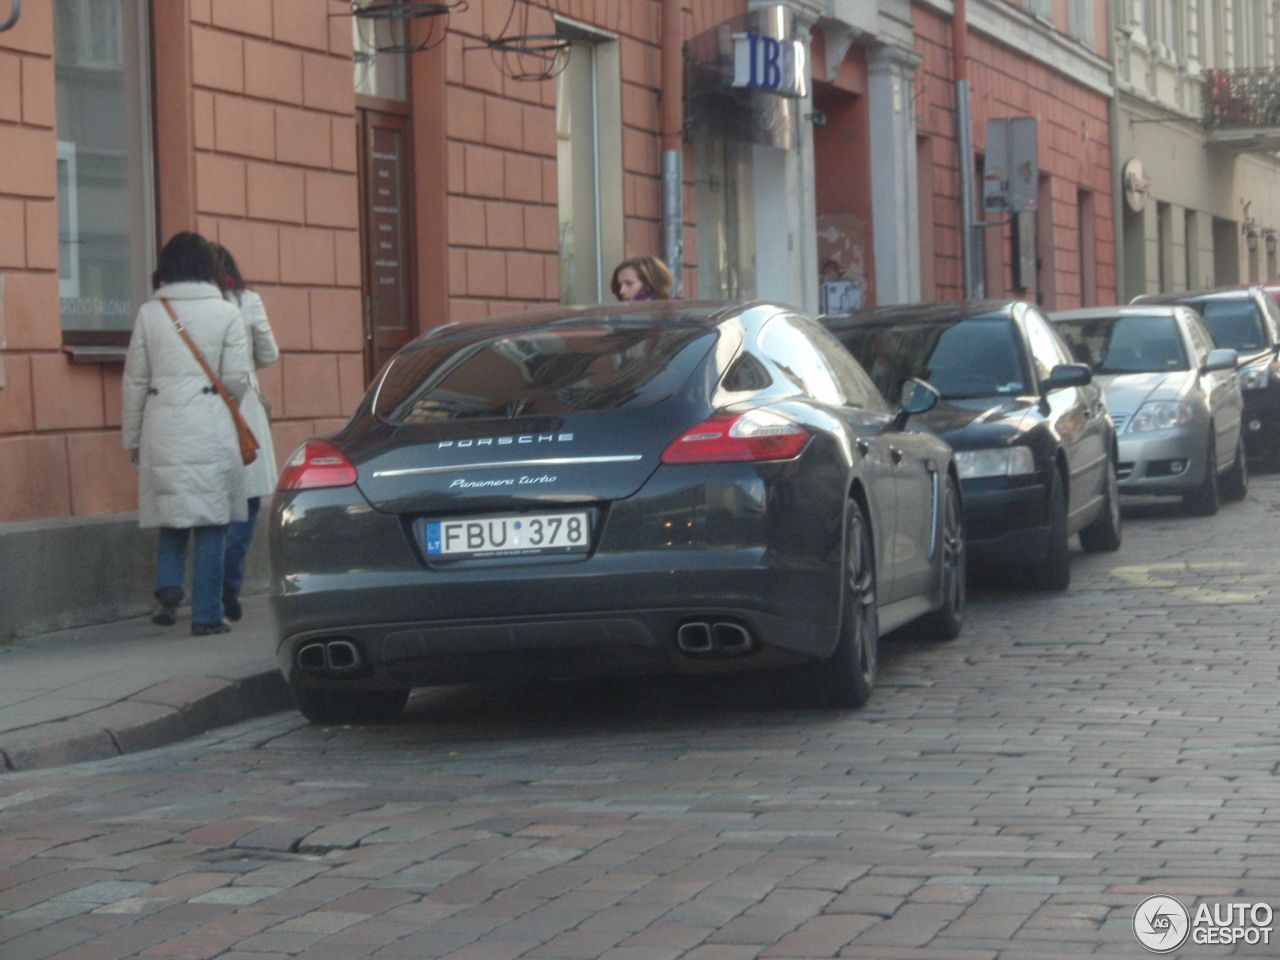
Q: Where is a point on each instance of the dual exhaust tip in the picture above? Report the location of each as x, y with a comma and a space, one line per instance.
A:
714, 638
331, 657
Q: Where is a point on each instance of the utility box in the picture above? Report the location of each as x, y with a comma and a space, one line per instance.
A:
1011, 177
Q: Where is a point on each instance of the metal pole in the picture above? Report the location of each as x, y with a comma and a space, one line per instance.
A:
964, 140
964, 144
672, 104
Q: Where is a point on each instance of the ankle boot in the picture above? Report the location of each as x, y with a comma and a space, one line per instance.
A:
164, 613
231, 604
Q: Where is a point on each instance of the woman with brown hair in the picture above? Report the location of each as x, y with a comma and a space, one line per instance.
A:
642, 278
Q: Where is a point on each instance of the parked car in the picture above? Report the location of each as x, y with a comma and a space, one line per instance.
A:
662, 487
1035, 446
1174, 397
1246, 320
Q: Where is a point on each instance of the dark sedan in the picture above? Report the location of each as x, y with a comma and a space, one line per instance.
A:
668, 487
1034, 443
1246, 320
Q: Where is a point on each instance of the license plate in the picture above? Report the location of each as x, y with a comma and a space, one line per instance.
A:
510, 536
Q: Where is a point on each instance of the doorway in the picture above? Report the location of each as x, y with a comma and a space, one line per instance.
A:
386, 215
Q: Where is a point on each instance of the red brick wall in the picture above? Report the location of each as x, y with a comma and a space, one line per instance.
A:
269, 170
1074, 152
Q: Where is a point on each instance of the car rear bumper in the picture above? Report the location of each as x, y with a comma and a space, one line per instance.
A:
767, 591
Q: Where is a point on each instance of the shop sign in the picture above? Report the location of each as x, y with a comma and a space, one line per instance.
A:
767, 63
1137, 187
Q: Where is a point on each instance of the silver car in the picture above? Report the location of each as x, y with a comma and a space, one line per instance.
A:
1173, 395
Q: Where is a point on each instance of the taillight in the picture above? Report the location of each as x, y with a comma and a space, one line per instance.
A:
317, 464
754, 435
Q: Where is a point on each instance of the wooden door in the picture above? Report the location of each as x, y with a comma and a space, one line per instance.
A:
386, 209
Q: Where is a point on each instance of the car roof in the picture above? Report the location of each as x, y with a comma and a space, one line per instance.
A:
1186, 296
706, 312
1144, 309
935, 312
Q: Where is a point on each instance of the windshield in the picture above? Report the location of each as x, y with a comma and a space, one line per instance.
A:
1125, 344
1235, 324
541, 371
970, 358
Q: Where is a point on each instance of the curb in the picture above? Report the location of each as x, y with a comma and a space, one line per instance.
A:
160, 715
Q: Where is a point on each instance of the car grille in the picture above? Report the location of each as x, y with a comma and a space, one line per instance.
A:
1119, 419
1123, 470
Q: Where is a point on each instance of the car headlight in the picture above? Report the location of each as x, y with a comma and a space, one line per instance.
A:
1002, 462
1254, 378
1159, 415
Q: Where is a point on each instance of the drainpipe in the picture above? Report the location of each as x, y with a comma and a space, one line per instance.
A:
15, 11
964, 140
673, 139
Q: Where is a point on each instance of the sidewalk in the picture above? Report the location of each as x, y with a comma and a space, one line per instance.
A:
100, 691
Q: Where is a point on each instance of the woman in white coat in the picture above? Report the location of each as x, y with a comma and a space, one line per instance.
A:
260, 476
190, 474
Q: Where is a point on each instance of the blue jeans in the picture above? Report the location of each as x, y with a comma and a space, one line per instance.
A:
206, 580
239, 536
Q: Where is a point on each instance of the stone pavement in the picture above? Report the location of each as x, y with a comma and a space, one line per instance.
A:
100, 691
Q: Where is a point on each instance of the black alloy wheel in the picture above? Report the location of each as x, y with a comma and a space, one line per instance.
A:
1205, 499
1104, 535
846, 679
945, 622
1234, 484
1053, 571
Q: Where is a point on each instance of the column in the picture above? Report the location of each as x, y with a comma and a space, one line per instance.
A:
895, 203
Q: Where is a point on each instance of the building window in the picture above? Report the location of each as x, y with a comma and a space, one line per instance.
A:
379, 74
1082, 26
726, 220
106, 204
589, 166
1041, 8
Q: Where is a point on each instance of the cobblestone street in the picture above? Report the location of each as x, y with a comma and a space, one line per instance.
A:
1012, 795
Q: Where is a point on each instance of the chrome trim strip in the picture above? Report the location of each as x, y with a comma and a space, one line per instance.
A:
545, 462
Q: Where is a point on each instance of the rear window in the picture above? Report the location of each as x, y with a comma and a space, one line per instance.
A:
1129, 344
974, 358
1235, 324
541, 371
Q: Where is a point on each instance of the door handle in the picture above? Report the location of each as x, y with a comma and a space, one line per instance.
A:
863, 447
895, 455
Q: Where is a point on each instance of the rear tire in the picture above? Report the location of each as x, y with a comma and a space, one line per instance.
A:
349, 706
1053, 572
1234, 484
1104, 534
1204, 500
846, 679
945, 622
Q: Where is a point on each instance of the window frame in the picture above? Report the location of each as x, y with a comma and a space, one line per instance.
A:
109, 345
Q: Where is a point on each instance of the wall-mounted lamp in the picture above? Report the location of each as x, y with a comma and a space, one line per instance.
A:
1250, 230
1269, 240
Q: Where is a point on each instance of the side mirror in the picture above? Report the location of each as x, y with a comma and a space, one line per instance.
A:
1221, 359
1067, 375
916, 397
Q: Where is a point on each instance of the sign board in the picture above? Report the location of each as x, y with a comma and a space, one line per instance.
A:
1011, 177
770, 64
841, 296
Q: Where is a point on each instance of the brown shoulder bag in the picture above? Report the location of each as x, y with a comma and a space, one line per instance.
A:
248, 442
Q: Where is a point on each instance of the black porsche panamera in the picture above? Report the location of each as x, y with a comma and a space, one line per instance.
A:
673, 487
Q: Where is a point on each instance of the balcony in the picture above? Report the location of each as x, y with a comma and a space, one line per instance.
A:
1242, 109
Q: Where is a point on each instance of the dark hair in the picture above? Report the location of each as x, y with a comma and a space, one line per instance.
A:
653, 273
186, 257
229, 278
